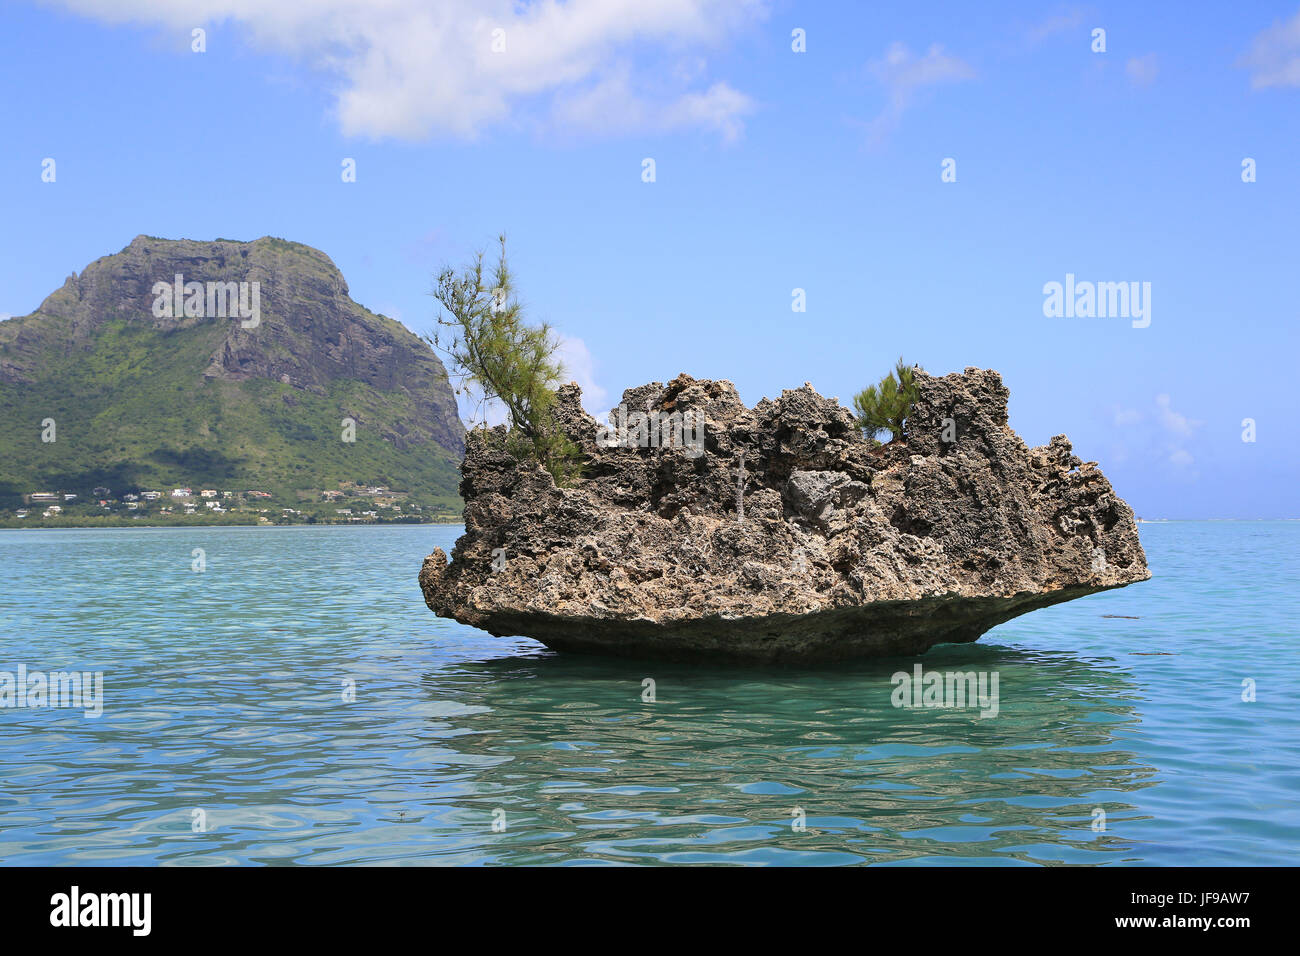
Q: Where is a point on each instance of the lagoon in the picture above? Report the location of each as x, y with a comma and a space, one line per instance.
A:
296, 703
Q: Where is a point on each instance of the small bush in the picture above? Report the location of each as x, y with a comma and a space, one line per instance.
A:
493, 348
886, 407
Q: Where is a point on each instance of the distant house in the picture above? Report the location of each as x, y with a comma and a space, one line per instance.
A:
181, 493
331, 495
151, 495
259, 494
130, 497
20, 513
99, 491
43, 496
51, 511
343, 511
133, 505
208, 493
69, 497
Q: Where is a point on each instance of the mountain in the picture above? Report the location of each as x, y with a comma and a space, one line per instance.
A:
148, 389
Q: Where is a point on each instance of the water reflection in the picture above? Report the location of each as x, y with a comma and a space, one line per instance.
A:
712, 770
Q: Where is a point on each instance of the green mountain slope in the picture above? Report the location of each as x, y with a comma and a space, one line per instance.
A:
147, 401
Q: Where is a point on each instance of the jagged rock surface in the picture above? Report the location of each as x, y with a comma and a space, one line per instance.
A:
845, 550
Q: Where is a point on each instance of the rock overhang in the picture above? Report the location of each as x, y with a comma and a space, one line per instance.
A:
844, 550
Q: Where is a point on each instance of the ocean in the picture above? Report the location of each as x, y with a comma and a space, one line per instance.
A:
294, 702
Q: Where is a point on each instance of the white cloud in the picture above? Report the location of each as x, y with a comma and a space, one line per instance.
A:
409, 69
580, 367
474, 411
1274, 57
903, 75
1173, 422
1053, 25
1161, 436
612, 105
1142, 69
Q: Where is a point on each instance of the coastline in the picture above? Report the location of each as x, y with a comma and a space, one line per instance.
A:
16, 524
19, 524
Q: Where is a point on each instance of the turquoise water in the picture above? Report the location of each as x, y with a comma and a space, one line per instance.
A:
225, 737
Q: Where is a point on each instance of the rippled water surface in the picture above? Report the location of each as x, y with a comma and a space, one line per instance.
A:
225, 736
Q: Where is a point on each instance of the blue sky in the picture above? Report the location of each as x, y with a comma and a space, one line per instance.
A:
775, 170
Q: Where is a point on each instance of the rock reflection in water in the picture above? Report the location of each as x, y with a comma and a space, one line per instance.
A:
716, 768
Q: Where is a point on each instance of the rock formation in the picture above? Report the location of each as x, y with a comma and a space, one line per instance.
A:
845, 549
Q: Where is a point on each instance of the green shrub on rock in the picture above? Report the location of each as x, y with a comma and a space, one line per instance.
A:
885, 407
493, 349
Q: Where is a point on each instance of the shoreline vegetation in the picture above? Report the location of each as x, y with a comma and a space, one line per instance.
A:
219, 521
376, 505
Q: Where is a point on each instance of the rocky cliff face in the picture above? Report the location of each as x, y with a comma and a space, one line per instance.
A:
214, 393
844, 550
309, 331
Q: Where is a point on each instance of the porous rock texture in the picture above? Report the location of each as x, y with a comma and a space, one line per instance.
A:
845, 549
